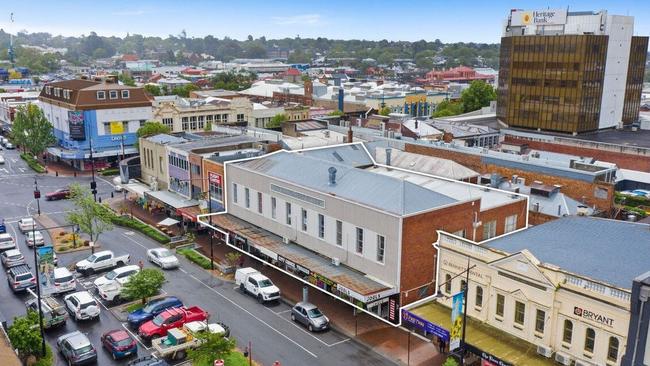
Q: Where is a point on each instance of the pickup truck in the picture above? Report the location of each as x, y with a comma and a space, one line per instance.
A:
101, 261
253, 282
111, 291
178, 341
169, 319
54, 314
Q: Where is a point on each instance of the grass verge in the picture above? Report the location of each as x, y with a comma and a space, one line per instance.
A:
137, 225
196, 257
32, 163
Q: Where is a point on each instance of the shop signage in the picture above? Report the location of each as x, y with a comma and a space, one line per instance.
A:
303, 269
76, 125
425, 325
392, 310
491, 359
595, 317
538, 17
214, 178
323, 279
116, 127
461, 268
364, 298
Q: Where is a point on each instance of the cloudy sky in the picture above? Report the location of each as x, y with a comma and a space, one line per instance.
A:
449, 21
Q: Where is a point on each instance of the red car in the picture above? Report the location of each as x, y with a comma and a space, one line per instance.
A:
59, 194
168, 319
119, 343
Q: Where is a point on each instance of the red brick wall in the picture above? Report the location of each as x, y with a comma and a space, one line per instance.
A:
499, 214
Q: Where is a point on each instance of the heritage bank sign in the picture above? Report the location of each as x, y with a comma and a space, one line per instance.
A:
538, 17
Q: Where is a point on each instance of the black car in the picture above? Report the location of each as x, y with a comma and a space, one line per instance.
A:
148, 361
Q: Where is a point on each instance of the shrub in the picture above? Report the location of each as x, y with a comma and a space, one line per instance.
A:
63, 248
196, 257
109, 171
48, 360
139, 226
32, 163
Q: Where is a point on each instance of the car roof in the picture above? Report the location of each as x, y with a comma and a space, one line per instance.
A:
78, 340
160, 250
23, 268
27, 219
118, 334
258, 276
83, 296
306, 305
165, 300
126, 268
61, 271
5, 235
103, 252
12, 252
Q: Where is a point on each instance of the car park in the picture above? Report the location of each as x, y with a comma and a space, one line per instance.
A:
151, 309
7, 241
59, 194
148, 361
63, 280
169, 319
100, 261
253, 282
82, 306
179, 341
54, 313
26, 224
121, 274
310, 316
20, 278
162, 257
34, 237
11, 258
119, 343
76, 348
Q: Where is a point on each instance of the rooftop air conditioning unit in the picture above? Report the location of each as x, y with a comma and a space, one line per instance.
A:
563, 359
544, 351
285, 240
336, 261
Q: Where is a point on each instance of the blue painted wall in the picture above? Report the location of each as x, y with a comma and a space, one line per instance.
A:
100, 143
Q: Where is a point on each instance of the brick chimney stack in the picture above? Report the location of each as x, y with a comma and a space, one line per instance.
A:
350, 135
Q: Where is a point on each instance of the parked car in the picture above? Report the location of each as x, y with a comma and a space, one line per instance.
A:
119, 343
59, 194
26, 224
111, 291
253, 282
151, 309
121, 274
54, 313
20, 278
100, 261
34, 237
82, 306
11, 258
148, 361
7, 241
63, 280
169, 319
162, 257
310, 316
76, 348
2, 159
9, 146
4, 141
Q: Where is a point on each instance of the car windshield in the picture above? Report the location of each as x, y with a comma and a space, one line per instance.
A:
6, 238
63, 279
84, 349
165, 253
111, 275
158, 320
24, 277
314, 313
265, 283
123, 342
92, 258
15, 256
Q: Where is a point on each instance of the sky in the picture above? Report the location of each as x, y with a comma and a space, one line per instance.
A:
449, 21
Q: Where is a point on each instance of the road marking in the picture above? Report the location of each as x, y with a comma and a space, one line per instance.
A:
298, 327
133, 240
254, 316
128, 233
339, 342
182, 270
137, 338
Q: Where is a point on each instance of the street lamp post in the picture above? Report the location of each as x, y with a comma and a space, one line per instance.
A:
93, 184
37, 196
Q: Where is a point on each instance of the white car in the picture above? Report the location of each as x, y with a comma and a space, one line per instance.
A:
34, 237
118, 274
63, 280
7, 241
110, 291
26, 224
2, 159
162, 257
82, 306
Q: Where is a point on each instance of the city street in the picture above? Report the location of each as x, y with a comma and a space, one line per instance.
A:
270, 331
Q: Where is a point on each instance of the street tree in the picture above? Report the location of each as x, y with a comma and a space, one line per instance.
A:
184, 91
143, 285
151, 128
478, 95
126, 79
91, 217
153, 90
277, 120
213, 346
448, 108
25, 335
31, 129
384, 111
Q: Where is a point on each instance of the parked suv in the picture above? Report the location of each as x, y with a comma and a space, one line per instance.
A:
26, 224
76, 348
7, 242
151, 309
63, 280
82, 306
32, 237
12, 258
20, 278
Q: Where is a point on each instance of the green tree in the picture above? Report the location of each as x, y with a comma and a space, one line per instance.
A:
448, 108
213, 346
151, 128
450, 361
384, 111
336, 113
126, 79
153, 90
143, 285
184, 91
31, 129
478, 95
91, 217
208, 126
25, 335
277, 120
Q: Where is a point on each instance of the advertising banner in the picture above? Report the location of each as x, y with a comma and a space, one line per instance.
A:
45, 258
424, 325
456, 321
76, 125
538, 17
117, 127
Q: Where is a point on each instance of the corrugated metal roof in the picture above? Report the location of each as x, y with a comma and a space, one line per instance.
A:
351, 154
425, 164
608, 250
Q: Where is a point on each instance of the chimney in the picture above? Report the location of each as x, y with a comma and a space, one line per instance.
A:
332, 172
416, 124
388, 154
350, 135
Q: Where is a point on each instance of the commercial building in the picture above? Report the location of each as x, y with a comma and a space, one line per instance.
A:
562, 289
570, 72
101, 114
192, 115
460, 74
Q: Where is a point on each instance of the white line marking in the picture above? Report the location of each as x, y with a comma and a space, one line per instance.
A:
283, 311
298, 327
339, 342
251, 314
128, 237
182, 270
135, 337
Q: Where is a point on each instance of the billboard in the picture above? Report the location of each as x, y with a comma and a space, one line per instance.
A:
424, 325
76, 125
456, 321
45, 259
538, 17
117, 127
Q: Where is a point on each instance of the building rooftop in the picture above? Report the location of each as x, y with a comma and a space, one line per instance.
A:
593, 247
215, 142
353, 155
425, 164
165, 139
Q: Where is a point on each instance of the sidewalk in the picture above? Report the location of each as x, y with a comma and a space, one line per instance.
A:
53, 167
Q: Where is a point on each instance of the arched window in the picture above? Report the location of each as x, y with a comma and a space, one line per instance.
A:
568, 331
448, 283
612, 349
590, 340
479, 296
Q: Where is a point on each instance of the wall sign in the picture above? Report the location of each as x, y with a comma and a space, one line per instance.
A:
595, 317
538, 17
490, 358
425, 325
76, 125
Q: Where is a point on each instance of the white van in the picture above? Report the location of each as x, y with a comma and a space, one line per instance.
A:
63, 280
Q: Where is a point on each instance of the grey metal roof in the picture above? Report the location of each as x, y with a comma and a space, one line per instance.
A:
350, 154
608, 250
385, 193
215, 142
166, 139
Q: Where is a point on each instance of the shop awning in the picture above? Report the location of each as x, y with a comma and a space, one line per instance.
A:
168, 222
85, 154
172, 199
189, 213
137, 188
489, 339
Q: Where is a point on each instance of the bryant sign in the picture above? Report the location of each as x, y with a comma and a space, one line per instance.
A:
538, 17
590, 315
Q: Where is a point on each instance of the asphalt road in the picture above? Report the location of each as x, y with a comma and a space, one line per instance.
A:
268, 328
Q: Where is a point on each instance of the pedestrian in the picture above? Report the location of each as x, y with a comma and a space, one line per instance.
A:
241, 261
141, 264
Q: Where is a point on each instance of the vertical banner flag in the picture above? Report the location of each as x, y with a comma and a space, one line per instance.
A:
456, 321
45, 255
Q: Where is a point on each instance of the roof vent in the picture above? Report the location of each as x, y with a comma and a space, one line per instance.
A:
332, 172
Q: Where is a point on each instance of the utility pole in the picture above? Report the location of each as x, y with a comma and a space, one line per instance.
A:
465, 290
211, 232
37, 196
93, 184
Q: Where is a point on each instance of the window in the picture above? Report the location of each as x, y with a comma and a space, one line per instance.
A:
259, 202
169, 122
273, 208
216, 192
567, 334
590, 340
339, 232
540, 318
359, 247
240, 118
520, 312
479, 297
224, 118
193, 122
489, 230
381, 246
101, 95
448, 283
247, 197
201, 122
511, 223
185, 124
125, 94
112, 94
303, 214
321, 226
612, 349
288, 210
234, 192
501, 304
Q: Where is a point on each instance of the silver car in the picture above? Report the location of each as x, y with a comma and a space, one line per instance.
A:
310, 316
12, 258
76, 348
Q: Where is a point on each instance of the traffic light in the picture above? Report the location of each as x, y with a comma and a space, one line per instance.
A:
93, 185
94, 191
37, 194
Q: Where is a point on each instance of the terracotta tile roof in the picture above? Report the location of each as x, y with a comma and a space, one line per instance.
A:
83, 95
